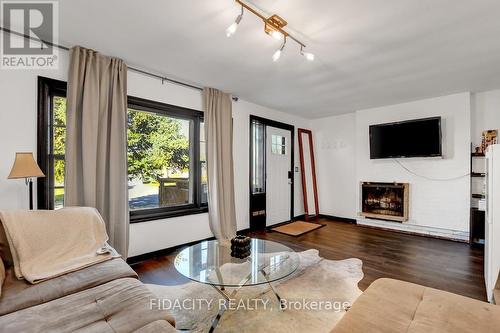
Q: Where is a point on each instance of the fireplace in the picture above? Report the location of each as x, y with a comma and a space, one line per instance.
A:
385, 201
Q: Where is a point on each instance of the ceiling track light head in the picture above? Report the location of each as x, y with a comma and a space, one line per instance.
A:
278, 52
284, 43
231, 30
309, 56
238, 19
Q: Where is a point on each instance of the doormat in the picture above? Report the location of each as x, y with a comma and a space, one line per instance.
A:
297, 228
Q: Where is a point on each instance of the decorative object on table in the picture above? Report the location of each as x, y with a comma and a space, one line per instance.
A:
208, 263
240, 247
478, 150
26, 167
489, 138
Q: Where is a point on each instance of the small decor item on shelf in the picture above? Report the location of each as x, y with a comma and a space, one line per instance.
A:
489, 138
240, 247
478, 150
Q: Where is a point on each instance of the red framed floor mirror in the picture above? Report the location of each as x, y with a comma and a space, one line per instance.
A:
308, 174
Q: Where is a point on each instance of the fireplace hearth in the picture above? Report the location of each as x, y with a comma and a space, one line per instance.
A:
385, 201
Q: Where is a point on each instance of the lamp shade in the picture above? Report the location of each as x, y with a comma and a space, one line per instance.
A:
25, 167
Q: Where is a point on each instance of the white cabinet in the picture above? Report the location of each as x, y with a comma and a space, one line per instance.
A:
492, 227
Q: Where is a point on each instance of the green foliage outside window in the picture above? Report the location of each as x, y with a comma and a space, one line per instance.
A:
155, 144
59, 137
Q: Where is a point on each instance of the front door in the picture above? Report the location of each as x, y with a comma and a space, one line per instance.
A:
278, 173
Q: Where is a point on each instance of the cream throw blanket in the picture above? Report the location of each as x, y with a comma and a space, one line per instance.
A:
46, 244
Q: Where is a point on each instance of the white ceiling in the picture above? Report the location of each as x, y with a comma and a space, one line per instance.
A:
368, 52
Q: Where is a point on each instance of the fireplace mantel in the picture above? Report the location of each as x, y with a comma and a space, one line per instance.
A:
385, 201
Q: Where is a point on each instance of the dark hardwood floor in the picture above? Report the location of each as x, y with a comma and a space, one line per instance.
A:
436, 263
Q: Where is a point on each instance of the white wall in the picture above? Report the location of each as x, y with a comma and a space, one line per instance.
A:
335, 157
436, 207
18, 132
435, 204
486, 114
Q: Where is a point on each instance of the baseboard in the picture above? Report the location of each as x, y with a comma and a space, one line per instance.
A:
454, 235
243, 231
299, 218
338, 218
163, 252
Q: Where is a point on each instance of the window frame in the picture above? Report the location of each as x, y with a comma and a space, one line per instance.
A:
196, 207
48, 88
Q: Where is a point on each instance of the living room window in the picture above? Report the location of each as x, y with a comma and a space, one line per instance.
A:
51, 142
166, 160
166, 155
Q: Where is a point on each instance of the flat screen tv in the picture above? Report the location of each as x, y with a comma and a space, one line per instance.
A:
414, 138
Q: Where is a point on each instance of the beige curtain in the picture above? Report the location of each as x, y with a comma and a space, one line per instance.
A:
219, 137
96, 140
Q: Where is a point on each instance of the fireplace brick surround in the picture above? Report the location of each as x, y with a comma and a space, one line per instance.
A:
385, 201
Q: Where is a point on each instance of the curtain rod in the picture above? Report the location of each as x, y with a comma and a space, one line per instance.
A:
133, 69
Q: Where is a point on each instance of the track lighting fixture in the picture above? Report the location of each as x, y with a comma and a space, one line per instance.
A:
273, 26
231, 30
277, 54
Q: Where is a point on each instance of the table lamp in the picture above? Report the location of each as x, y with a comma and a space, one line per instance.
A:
26, 167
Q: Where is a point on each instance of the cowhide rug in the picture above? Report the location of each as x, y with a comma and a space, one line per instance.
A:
330, 284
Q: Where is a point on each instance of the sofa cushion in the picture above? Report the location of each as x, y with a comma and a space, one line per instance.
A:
119, 306
157, 326
391, 306
19, 294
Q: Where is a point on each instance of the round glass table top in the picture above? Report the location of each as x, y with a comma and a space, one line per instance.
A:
211, 263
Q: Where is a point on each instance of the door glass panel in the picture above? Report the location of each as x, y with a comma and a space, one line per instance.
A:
278, 144
203, 162
258, 158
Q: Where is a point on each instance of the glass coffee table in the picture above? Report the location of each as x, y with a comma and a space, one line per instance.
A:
211, 263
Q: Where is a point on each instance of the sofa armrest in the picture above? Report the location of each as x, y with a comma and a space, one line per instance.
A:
496, 292
2, 275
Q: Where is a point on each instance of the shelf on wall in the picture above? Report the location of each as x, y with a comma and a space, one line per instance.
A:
477, 221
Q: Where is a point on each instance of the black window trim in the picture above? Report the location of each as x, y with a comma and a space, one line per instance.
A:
48, 88
196, 116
